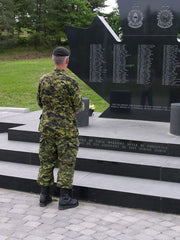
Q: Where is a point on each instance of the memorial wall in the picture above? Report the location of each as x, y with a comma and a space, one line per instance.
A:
139, 76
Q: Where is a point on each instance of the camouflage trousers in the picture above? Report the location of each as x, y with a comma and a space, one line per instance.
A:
61, 151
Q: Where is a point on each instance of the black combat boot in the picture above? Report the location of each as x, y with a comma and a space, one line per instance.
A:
45, 197
66, 201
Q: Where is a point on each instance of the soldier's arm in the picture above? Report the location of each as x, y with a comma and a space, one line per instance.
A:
39, 96
77, 99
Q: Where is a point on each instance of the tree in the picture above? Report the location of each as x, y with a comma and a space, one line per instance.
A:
44, 20
95, 5
7, 20
58, 13
113, 19
22, 13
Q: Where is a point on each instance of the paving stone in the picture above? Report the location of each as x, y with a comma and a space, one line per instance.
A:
151, 232
109, 238
176, 228
164, 237
130, 219
104, 222
124, 237
4, 219
75, 227
5, 200
33, 237
23, 206
110, 219
171, 233
31, 218
3, 237
76, 221
112, 233
49, 215
59, 230
84, 238
99, 228
20, 234
144, 237
48, 221
88, 232
32, 224
71, 234
18, 211
88, 224
60, 223
167, 224
93, 219
55, 237
99, 235
159, 228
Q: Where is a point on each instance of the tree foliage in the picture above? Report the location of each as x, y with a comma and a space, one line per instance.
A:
41, 22
95, 5
7, 16
113, 19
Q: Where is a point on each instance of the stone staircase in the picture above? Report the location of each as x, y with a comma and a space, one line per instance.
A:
126, 163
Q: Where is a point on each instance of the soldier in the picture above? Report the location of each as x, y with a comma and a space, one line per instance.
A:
60, 99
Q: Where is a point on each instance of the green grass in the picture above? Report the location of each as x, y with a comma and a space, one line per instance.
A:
19, 82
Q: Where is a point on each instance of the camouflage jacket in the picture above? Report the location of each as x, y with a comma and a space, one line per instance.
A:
59, 97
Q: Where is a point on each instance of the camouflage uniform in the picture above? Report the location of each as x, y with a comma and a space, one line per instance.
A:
59, 97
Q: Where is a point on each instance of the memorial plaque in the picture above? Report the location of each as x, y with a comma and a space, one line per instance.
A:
124, 145
140, 76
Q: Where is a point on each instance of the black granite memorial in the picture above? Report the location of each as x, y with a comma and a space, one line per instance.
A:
139, 76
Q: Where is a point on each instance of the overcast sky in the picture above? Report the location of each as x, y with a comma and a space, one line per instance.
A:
111, 4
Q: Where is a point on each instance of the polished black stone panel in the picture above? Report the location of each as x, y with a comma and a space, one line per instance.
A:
4, 126
19, 184
136, 114
150, 17
139, 75
118, 168
19, 157
118, 198
170, 205
23, 135
170, 174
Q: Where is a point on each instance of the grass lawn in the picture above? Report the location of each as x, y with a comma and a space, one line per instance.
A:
19, 82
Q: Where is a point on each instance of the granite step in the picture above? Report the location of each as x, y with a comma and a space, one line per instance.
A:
102, 188
146, 166
103, 134
110, 134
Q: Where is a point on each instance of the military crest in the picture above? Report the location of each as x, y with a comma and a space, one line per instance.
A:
165, 17
135, 18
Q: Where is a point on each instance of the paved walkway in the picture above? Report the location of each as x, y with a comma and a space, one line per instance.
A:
22, 218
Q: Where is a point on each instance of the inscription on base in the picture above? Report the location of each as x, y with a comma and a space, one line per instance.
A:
124, 145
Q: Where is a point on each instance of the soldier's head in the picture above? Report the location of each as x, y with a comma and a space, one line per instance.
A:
60, 57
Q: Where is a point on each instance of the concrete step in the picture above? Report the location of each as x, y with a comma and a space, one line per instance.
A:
114, 190
130, 137
13, 119
147, 166
111, 134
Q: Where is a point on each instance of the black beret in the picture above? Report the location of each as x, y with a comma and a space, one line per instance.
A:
61, 51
